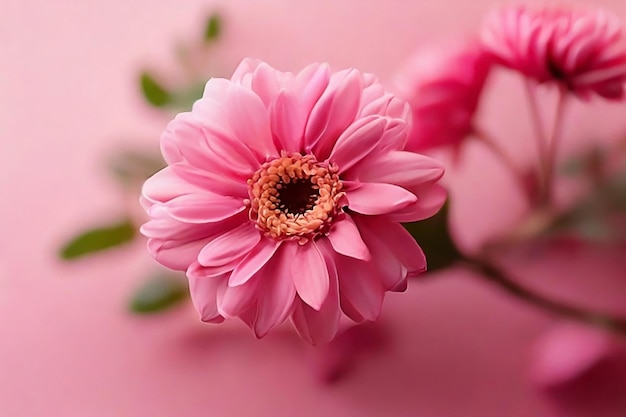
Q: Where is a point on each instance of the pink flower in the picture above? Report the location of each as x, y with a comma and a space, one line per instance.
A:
443, 87
582, 371
583, 51
283, 196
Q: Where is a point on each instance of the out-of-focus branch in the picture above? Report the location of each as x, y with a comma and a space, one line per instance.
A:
502, 280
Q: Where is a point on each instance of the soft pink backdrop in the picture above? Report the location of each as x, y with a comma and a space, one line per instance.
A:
457, 347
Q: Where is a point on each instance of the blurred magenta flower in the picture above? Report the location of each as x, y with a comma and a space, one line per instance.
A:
283, 196
443, 86
584, 51
582, 371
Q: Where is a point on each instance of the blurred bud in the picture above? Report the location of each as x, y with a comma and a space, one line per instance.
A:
443, 86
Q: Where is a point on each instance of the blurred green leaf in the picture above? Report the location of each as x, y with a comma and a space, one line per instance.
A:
433, 235
132, 166
573, 167
589, 164
183, 99
599, 216
98, 239
152, 91
213, 27
159, 293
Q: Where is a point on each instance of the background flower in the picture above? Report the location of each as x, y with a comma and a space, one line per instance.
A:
443, 84
283, 198
582, 50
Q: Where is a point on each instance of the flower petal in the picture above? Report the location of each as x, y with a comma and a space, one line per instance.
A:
163, 226
430, 198
357, 141
254, 128
265, 83
234, 301
333, 112
223, 150
376, 198
203, 208
310, 83
211, 180
415, 169
216, 88
203, 291
287, 120
166, 185
198, 271
310, 275
397, 255
346, 239
318, 327
245, 67
253, 262
175, 255
229, 246
276, 299
360, 291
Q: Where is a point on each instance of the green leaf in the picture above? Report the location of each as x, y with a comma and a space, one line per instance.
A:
153, 92
433, 236
159, 293
98, 239
213, 27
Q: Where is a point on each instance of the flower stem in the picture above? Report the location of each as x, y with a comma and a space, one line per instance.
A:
553, 146
540, 136
499, 277
505, 158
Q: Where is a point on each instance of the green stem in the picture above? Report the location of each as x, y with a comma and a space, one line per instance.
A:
505, 158
553, 146
540, 136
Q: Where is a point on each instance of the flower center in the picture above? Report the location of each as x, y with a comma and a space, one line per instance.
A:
294, 197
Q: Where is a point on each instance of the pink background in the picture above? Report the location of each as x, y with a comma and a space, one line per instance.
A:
68, 347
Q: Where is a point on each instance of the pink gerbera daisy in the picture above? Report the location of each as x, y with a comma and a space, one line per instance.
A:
583, 51
443, 85
283, 196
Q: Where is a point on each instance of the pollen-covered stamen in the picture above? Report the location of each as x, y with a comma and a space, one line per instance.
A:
294, 197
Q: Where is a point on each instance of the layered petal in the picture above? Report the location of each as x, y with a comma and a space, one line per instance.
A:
276, 297
203, 208
321, 325
204, 292
166, 185
346, 240
416, 169
254, 129
333, 112
357, 141
310, 275
231, 245
397, 254
361, 291
378, 198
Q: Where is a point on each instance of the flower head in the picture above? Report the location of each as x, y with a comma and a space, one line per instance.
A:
443, 87
583, 51
283, 195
